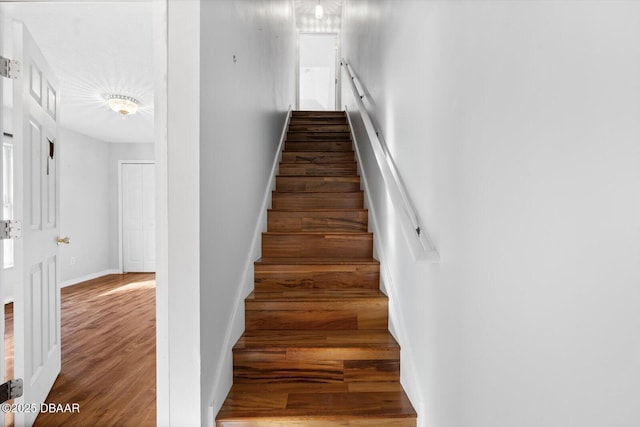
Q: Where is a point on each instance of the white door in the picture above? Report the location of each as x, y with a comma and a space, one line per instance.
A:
138, 217
317, 84
37, 300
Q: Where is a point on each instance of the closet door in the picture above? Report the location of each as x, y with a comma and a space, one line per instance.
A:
138, 217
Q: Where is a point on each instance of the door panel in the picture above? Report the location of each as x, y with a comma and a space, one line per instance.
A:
138, 217
37, 301
317, 78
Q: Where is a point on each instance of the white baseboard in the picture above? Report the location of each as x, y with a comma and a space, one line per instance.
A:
86, 277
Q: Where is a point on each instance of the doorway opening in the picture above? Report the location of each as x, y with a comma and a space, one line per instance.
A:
88, 147
318, 72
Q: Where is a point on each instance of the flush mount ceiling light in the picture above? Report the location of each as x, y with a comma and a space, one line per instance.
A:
319, 11
123, 104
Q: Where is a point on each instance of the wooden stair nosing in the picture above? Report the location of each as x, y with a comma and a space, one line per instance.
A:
317, 244
318, 221
318, 157
316, 146
318, 183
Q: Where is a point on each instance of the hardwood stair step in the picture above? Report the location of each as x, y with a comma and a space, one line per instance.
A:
317, 114
314, 121
310, 245
310, 169
330, 356
317, 405
275, 274
318, 136
318, 220
317, 157
342, 310
317, 183
327, 146
318, 127
317, 200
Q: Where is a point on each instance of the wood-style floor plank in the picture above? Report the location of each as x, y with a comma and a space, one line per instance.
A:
108, 353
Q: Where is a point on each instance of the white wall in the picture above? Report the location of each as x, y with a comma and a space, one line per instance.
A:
89, 203
515, 128
243, 107
84, 205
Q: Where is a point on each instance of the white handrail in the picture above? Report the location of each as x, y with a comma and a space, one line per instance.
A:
387, 166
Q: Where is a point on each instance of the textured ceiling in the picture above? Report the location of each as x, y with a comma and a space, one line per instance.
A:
306, 16
96, 49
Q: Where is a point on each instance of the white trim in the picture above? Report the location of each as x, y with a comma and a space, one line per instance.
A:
120, 163
396, 320
160, 67
86, 277
246, 281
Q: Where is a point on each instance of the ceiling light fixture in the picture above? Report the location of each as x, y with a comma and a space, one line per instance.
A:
319, 11
123, 104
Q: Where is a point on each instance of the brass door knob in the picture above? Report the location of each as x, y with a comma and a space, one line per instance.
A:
64, 240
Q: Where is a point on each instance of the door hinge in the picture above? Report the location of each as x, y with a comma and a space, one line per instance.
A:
10, 390
10, 229
10, 68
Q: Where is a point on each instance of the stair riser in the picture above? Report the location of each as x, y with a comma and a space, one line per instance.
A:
314, 365
287, 277
318, 136
310, 221
339, 169
295, 127
316, 315
303, 201
317, 246
332, 146
318, 184
317, 158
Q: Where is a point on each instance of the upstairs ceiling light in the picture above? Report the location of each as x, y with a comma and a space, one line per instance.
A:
123, 104
319, 11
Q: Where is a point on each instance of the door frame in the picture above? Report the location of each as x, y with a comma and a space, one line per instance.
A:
338, 73
178, 396
120, 206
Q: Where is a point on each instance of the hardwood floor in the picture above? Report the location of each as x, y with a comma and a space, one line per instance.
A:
108, 353
316, 351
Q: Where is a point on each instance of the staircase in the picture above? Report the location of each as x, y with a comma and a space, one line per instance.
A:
316, 350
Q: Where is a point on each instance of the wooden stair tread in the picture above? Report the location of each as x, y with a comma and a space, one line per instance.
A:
325, 403
316, 261
317, 157
317, 233
328, 210
315, 338
320, 295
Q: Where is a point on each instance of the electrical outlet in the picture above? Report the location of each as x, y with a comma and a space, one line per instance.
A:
72, 260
